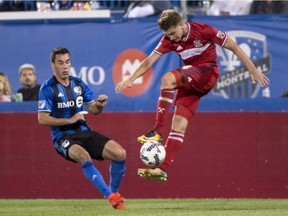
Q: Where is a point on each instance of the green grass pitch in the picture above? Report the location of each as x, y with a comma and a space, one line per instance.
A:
145, 207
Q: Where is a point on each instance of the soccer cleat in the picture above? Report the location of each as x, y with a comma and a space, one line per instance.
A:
154, 174
121, 206
117, 201
150, 136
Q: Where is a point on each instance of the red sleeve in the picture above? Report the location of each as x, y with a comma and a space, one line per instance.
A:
164, 46
214, 35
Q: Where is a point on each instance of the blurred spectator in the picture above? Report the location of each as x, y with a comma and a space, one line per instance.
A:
269, 7
62, 4
30, 89
232, 7
70, 5
5, 88
285, 94
19, 5
146, 8
43, 6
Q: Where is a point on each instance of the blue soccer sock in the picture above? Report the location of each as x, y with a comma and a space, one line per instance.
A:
117, 171
95, 177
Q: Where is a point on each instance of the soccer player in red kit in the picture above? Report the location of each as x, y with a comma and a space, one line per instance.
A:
195, 43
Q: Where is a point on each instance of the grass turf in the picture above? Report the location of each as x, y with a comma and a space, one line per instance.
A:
145, 207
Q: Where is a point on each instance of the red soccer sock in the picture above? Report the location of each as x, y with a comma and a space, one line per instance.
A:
172, 146
163, 107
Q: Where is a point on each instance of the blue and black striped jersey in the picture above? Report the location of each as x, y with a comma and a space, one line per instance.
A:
64, 102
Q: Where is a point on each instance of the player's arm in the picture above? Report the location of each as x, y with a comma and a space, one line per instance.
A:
255, 74
144, 66
96, 107
45, 119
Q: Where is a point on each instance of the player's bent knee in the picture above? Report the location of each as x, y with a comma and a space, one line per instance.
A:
84, 156
121, 155
168, 80
114, 151
79, 154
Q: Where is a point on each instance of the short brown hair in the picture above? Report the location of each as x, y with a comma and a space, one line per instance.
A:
56, 51
169, 18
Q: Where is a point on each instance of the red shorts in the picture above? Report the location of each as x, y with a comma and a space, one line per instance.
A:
193, 83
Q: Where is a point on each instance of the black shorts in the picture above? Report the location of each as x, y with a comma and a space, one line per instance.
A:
91, 141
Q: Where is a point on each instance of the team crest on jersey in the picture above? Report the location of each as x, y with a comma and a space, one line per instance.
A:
78, 90
235, 80
197, 43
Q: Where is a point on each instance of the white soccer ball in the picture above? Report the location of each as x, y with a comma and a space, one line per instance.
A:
152, 153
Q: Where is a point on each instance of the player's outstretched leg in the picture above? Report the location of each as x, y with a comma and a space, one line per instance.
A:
154, 174
150, 136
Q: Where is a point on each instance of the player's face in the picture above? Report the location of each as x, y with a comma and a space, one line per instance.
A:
61, 66
175, 33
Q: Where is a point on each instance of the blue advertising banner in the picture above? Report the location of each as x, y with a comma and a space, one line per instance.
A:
104, 52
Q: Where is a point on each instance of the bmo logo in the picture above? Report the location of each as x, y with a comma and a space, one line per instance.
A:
125, 64
68, 104
94, 75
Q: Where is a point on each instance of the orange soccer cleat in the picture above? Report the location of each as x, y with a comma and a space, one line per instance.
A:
117, 201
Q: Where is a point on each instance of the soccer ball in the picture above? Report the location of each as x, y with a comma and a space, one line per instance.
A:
152, 153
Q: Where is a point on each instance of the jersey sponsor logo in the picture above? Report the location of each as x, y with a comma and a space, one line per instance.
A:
66, 104
193, 51
235, 80
41, 104
125, 64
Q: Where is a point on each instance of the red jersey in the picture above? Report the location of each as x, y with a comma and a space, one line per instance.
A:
198, 47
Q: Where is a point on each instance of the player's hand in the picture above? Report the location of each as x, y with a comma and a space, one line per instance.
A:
102, 100
122, 85
77, 117
260, 78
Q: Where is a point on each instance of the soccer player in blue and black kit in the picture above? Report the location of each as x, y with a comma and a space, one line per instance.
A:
60, 106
